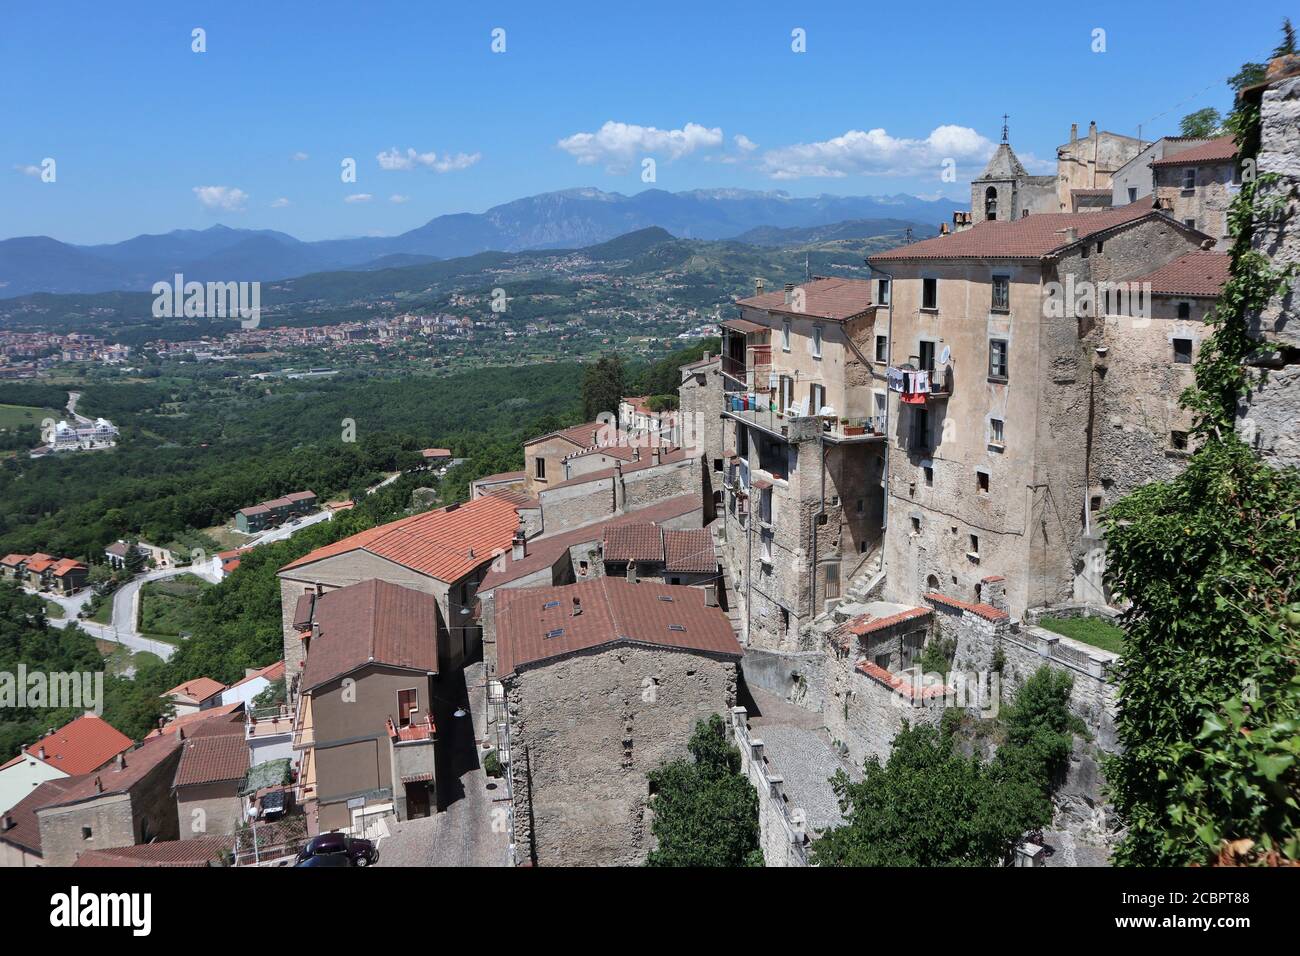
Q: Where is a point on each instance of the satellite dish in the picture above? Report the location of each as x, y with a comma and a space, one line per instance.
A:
945, 355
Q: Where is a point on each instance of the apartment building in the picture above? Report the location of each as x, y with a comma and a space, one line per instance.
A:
804, 417
1135, 179
1196, 186
1061, 384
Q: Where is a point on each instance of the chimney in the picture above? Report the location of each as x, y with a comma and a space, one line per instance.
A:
577, 606
1092, 129
1071, 233
758, 287
180, 733
121, 761
631, 572
519, 545
99, 785
8, 823
1074, 132
710, 595
789, 293
40, 753
943, 229
654, 453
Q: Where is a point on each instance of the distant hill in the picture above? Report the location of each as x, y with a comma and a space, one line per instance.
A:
852, 229
573, 218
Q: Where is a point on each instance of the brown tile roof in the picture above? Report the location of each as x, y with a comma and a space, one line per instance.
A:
1197, 274
200, 851
900, 685
517, 497
191, 723
1029, 237
372, 622
865, 624
744, 326
666, 457
271, 672
700, 362
638, 541
446, 544
66, 565
986, 611
198, 690
117, 549
613, 611
503, 476
690, 551
580, 435
13, 560
255, 510
82, 745
1218, 150
824, 298
213, 758
436, 452
543, 552
26, 831
623, 452
139, 763
300, 495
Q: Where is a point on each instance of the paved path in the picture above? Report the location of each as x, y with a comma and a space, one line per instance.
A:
463, 832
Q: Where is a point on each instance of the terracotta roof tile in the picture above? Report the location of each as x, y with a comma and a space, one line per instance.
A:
213, 758
824, 298
26, 831
190, 723
13, 560
538, 624
986, 611
1196, 274
666, 457
198, 690
899, 684
637, 541
1218, 150
200, 851
1030, 237
690, 551
584, 435
372, 622
85, 744
865, 624
446, 544
67, 564
139, 763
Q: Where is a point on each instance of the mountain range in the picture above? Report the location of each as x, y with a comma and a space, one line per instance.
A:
571, 218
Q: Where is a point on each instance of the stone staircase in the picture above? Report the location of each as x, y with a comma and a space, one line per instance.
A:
862, 587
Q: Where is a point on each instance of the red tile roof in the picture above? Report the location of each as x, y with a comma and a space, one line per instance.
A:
584, 435
190, 723
502, 476
26, 831
1218, 150
300, 495
666, 457
543, 552
613, 611
213, 758
140, 762
39, 562
446, 544
638, 541
986, 611
66, 565
824, 298
13, 560
255, 510
1030, 237
690, 551
1197, 274
372, 622
198, 690
900, 685
744, 326
85, 744
271, 672
436, 452
200, 851
865, 624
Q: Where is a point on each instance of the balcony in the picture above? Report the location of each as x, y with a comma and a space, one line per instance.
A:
304, 735
757, 411
264, 722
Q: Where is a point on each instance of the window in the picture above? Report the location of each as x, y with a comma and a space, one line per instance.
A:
1001, 294
916, 525
982, 482
1132, 194
408, 702
87, 833
920, 428
1189, 223
717, 465
817, 342
785, 393
882, 348
928, 472
1178, 441
862, 506
882, 292
832, 588
785, 336
930, 294
583, 568
1183, 351
926, 350
995, 430
765, 506
1189, 179
1087, 250
816, 398
991, 203
765, 547
556, 632
975, 545
539, 469
742, 443
1184, 310
998, 358
1099, 247
1094, 503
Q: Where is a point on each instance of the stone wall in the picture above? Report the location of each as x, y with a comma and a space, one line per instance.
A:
586, 728
209, 809
795, 676
782, 829
866, 708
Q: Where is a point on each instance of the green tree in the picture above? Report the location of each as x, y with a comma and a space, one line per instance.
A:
705, 811
1204, 122
602, 386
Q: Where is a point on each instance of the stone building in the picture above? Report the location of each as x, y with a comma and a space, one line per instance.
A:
126, 804
444, 553
1060, 395
1089, 162
803, 403
1196, 186
1269, 417
1005, 190
214, 762
1135, 179
603, 681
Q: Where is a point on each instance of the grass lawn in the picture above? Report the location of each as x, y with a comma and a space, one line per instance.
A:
11, 416
1090, 630
226, 537
53, 610
118, 657
105, 613
169, 606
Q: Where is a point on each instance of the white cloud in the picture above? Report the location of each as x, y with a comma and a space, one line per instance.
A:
299, 156
358, 197
395, 197
29, 170
228, 198
392, 159
618, 145
279, 203
876, 153
745, 143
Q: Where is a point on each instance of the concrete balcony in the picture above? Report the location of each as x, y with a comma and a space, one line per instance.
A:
796, 429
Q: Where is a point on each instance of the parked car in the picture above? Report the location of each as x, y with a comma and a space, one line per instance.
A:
357, 851
328, 859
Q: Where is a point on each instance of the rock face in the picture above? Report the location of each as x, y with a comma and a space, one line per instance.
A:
1267, 418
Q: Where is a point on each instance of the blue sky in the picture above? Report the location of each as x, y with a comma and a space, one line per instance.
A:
148, 135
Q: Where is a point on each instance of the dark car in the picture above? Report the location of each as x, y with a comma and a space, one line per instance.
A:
356, 851
328, 859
